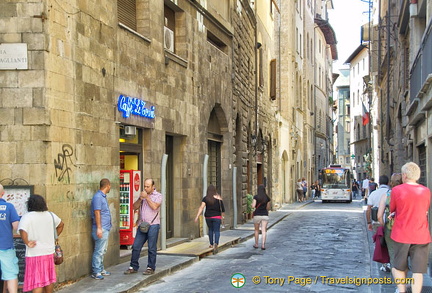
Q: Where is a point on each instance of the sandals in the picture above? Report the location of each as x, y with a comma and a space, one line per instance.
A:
255, 246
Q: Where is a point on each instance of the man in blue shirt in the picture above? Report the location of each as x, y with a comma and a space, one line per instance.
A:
101, 218
8, 260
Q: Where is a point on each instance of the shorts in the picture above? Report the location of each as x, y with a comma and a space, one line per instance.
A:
9, 264
259, 219
418, 253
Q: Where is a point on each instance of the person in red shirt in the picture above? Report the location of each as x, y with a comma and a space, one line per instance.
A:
409, 204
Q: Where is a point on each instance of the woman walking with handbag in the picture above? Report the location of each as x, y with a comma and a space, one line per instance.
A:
37, 232
214, 215
261, 204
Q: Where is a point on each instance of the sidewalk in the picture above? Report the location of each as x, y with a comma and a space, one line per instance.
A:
173, 259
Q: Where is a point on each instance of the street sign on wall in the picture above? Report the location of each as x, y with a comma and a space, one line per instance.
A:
13, 56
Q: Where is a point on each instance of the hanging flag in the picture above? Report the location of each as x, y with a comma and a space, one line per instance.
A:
365, 116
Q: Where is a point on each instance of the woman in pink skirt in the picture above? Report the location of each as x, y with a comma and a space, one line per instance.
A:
37, 232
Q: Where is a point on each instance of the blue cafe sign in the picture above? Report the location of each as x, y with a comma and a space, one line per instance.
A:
134, 106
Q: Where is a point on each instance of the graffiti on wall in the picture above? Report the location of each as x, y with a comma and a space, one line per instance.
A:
63, 164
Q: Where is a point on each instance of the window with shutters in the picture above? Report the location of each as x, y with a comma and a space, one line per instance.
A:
273, 79
422, 164
260, 67
134, 15
406, 68
126, 10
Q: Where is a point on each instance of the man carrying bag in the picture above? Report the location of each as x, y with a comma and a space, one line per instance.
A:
148, 204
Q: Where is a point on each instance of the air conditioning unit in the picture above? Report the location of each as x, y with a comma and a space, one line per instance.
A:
168, 39
130, 130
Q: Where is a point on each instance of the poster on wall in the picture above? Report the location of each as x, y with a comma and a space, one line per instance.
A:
18, 196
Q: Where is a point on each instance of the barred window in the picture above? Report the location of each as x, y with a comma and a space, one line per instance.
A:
214, 161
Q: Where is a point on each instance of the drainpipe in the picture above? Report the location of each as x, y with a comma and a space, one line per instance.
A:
204, 172
317, 162
256, 73
234, 188
413, 8
163, 206
380, 76
388, 74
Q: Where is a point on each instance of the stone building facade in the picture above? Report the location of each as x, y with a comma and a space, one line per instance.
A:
304, 113
88, 89
109, 86
343, 119
403, 45
361, 102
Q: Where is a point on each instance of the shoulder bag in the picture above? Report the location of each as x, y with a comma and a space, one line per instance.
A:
58, 254
222, 226
254, 212
145, 226
374, 214
389, 219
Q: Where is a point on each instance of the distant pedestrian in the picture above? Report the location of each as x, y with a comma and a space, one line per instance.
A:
9, 220
214, 213
313, 189
148, 205
365, 189
355, 188
37, 232
384, 213
299, 190
305, 188
101, 226
372, 185
261, 204
410, 204
317, 189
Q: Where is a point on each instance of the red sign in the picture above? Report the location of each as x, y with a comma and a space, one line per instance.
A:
137, 182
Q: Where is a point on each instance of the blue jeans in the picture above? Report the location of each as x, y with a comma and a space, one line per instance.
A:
214, 229
140, 239
100, 249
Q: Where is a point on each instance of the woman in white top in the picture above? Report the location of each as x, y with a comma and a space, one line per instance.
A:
37, 232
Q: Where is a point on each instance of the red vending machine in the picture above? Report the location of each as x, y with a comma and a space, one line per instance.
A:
130, 188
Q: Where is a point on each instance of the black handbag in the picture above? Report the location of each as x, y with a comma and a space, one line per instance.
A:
374, 214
